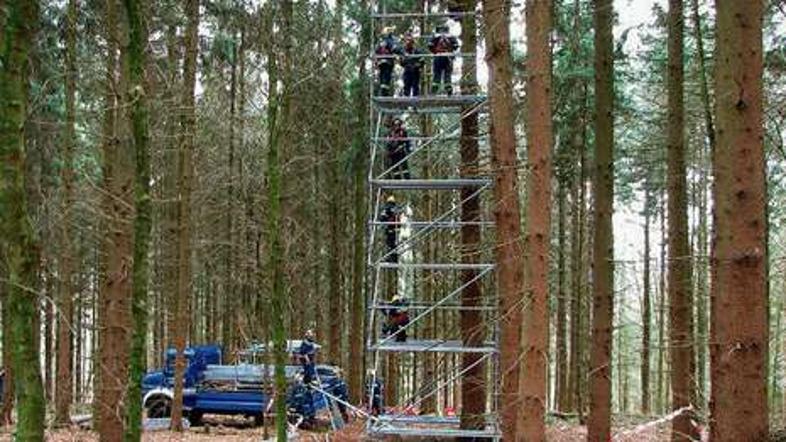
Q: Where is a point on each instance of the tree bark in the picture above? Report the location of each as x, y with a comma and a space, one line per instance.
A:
473, 385
20, 251
135, 56
739, 348
599, 424
66, 305
507, 214
533, 382
646, 315
679, 271
188, 131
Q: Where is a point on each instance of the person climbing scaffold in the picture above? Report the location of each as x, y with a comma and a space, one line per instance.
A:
390, 215
399, 148
397, 319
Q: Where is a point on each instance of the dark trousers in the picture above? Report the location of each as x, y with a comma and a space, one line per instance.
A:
443, 69
411, 82
390, 241
386, 79
399, 164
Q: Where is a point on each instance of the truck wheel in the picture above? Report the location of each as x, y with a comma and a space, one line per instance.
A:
159, 407
259, 420
195, 418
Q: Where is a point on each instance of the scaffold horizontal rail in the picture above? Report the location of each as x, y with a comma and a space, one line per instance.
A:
435, 266
435, 224
459, 307
404, 15
432, 346
428, 101
436, 184
426, 55
490, 433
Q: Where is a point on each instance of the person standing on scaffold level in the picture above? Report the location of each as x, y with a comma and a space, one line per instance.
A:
443, 43
412, 62
386, 50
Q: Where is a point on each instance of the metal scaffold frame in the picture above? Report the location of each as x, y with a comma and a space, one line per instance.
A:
441, 146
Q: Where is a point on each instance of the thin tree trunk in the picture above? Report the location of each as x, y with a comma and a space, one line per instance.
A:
473, 385
20, 252
679, 273
705, 91
561, 388
188, 130
646, 316
65, 315
138, 116
599, 424
739, 348
533, 382
507, 214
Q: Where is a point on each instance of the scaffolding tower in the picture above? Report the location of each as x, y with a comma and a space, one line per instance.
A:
430, 364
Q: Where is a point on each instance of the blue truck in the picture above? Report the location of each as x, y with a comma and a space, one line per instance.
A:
243, 389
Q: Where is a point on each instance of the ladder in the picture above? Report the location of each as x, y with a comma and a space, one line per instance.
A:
435, 341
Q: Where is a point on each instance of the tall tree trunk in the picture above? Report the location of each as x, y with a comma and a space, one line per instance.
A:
702, 283
646, 309
188, 131
113, 308
739, 348
533, 382
507, 214
662, 395
66, 305
138, 117
9, 380
20, 252
278, 124
360, 165
473, 385
599, 424
679, 272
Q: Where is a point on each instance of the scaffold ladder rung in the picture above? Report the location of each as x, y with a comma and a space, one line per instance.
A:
403, 15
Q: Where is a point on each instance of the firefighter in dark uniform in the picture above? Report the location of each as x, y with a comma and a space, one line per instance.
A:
397, 319
386, 50
374, 391
308, 356
398, 149
443, 43
412, 62
390, 214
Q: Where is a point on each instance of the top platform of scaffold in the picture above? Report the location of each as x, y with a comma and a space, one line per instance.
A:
406, 15
435, 184
428, 103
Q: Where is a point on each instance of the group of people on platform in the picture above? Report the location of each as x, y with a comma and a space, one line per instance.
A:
442, 46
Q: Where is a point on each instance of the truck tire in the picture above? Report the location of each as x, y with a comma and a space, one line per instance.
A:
159, 407
195, 418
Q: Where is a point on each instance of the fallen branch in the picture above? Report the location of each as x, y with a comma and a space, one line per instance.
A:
646, 426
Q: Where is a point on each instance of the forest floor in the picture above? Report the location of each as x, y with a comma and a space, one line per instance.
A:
628, 429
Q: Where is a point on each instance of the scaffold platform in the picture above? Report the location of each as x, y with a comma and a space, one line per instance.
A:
432, 345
